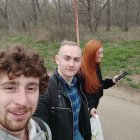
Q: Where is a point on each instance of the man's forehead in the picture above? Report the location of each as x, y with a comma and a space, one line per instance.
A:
72, 56
67, 48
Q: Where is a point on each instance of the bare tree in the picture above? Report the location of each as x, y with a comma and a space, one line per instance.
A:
108, 16
55, 18
4, 12
94, 10
16, 13
138, 12
116, 12
38, 6
34, 12
60, 19
89, 15
126, 15
88, 7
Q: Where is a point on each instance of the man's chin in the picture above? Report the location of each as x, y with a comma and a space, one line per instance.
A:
71, 75
17, 126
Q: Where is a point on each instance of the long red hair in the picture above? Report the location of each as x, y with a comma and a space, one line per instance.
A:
88, 66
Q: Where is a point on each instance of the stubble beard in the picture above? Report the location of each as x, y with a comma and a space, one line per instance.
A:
13, 125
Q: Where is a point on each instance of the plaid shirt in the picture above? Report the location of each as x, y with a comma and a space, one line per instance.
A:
73, 94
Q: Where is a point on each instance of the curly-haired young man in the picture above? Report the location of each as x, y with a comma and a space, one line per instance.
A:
23, 76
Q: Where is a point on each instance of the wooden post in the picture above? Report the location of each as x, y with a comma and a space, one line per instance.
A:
76, 21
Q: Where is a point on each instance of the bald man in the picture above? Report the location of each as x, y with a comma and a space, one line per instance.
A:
64, 107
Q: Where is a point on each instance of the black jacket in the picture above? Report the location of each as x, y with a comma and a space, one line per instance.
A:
93, 99
55, 109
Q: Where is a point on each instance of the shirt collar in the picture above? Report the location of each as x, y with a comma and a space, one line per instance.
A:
73, 82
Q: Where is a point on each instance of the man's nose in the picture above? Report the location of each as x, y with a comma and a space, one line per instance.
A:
21, 97
71, 63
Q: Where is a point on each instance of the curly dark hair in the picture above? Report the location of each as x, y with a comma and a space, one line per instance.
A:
17, 60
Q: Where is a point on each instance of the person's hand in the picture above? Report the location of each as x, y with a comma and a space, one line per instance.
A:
119, 77
114, 79
93, 112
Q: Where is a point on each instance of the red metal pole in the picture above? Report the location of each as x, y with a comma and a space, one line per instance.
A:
76, 20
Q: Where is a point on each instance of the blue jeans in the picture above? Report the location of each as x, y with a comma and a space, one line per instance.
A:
78, 136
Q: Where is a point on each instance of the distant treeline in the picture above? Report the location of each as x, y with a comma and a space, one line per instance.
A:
54, 19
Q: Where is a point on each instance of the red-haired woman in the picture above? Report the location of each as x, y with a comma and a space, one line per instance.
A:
91, 73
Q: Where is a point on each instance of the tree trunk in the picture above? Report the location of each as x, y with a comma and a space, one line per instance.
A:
89, 16
126, 16
108, 16
4, 13
60, 19
138, 13
34, 13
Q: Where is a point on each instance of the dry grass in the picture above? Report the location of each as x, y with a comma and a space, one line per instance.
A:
114, 34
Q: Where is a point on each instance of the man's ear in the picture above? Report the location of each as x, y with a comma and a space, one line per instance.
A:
56, 59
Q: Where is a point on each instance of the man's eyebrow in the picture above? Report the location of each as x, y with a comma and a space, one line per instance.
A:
14, 83
66, 56
33, 83
72, 57
8, 83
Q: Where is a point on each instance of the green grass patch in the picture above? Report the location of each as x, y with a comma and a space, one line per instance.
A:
120, 56
47, 50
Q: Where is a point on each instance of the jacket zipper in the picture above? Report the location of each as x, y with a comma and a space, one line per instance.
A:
63, 108
72, 116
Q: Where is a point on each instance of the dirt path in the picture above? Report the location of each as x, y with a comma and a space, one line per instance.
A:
131, 96
119, 118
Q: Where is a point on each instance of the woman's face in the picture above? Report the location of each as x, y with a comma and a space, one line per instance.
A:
99, 55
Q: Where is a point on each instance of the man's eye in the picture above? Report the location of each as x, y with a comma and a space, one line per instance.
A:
32, 88
66, 59
77, 60
9, 88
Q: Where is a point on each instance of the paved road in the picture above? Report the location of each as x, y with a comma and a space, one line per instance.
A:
120, 119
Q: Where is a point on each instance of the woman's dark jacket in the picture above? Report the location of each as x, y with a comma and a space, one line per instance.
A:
55, 109
93, 98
